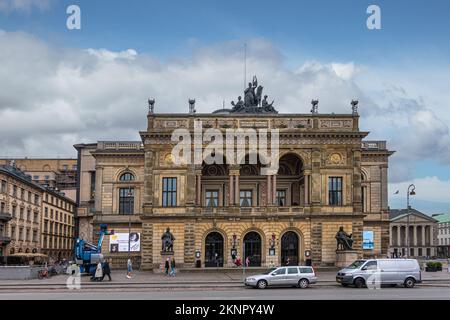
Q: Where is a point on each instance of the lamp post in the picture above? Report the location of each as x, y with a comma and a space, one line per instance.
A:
411, 192
129, 195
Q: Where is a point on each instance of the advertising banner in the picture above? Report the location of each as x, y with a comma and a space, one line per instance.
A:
118, 242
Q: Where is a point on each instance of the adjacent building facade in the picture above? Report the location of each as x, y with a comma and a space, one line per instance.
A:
443, 235
20, 212
59, 174
57, 225
410, 228
328, 177
34, 218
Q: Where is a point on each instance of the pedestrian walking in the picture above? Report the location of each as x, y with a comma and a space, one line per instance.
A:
98, 273
172, 267
167, 266
129, 269
247, 262
106, 270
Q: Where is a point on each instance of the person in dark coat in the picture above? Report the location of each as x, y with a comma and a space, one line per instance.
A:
167, 266
106, 270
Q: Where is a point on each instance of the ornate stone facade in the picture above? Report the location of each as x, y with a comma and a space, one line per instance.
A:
328, 177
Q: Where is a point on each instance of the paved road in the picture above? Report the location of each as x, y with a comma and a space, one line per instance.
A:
314, 293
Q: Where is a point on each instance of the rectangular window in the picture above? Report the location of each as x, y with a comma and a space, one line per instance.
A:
2, 207
35, 237
36, 217
14, 211
14, 191
22, 193
3, 186
36, 178
21, 213
13, 232
28, 214
29, 196
169, 192
246, 198
20, 234
46, 212
126, 201
27, 235
335, 191
36, 199
92, 173
212, 198
281, 198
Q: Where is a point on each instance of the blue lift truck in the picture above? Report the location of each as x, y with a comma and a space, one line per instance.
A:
87, 255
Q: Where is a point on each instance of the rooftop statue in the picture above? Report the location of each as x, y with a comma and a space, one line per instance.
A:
253, 102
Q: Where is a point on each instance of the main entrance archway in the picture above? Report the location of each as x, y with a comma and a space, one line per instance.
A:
252, 249
214, 250
289, 248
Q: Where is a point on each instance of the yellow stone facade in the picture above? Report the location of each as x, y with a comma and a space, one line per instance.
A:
314, 149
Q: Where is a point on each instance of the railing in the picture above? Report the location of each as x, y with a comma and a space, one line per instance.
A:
253, 210
119, 145
5, 239
374, 145
5, 216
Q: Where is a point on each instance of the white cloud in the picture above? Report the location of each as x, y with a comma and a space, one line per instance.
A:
25, 5
52, 98
428, 188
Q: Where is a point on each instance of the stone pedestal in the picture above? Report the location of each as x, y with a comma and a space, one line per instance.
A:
164, 256
345, 258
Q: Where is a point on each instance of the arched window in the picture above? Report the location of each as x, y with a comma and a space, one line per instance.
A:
127, 176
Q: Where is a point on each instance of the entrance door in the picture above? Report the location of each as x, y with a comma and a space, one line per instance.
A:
289, 249
214, 250
252, 249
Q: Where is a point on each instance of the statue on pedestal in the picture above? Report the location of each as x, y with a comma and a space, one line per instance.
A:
167, 241
344, 240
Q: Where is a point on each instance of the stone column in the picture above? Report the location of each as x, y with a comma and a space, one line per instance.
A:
269, 191
98, 188
431, 236
306, 187
274, 189
391, 241
198, 188
399, 239
237, 190
231, 192
423, 237
415, 236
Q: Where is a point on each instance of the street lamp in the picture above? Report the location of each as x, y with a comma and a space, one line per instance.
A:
129, 195
411, 192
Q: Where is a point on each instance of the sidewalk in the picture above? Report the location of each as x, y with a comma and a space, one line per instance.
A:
141, 277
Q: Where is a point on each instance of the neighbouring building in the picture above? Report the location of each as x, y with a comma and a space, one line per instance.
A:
20, 212
443, 235
57, 225
329, 176
422, 234
60, 174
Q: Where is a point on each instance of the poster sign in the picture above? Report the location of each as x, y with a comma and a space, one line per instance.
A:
368, 240
118, 242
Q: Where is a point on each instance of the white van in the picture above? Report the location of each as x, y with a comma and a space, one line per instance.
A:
393, 272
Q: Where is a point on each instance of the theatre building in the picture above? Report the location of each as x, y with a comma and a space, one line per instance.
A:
328, 176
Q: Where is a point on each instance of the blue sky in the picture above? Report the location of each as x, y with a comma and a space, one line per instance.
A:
400, 73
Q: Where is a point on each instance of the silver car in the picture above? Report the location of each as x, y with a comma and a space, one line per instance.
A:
298, 276
392, 272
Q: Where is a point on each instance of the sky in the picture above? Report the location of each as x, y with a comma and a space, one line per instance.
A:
59, 87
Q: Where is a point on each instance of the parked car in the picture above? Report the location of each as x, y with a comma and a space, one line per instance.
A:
292, 276
392, 272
